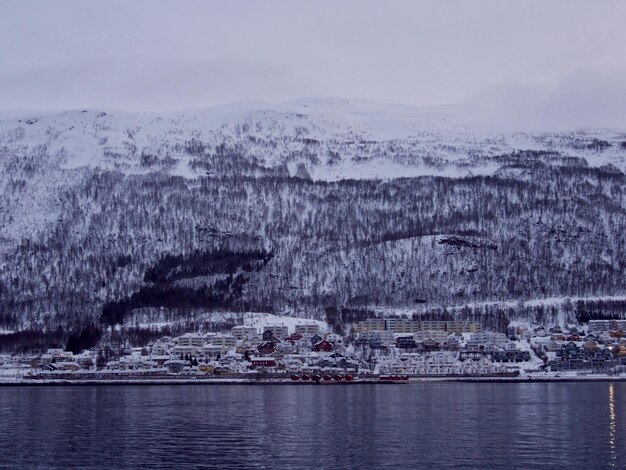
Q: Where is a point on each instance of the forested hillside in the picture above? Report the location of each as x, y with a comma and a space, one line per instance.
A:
160, 229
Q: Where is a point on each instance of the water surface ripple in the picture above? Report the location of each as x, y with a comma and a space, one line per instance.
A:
447, 425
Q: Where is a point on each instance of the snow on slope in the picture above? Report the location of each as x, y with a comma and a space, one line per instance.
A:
372, 140
260, 320
330, 139
86, 134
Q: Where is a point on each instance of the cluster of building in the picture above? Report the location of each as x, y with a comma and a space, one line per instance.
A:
243, 349
53, 360
388, 346
599, 348
446, 363
450, 348
411, 334
462, 341
374, 346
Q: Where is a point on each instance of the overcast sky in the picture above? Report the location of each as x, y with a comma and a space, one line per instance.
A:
542, 61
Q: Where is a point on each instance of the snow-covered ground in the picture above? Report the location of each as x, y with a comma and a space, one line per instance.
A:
260, 320
325, 138
256, 319
117, 139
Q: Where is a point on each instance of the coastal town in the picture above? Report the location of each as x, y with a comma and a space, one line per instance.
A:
394, 350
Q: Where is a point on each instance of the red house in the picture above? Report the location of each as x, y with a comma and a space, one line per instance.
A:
323, 346
266, 347
294, 337
263, 361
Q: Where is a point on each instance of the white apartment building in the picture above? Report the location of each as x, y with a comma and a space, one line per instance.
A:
371, 324
463, 327
190, 340
432, 325
308, 329
246, 333
279, 331
598, 326
226, 342
402, 325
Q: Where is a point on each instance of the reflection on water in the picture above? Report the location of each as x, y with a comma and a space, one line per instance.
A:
612, 425
446, 425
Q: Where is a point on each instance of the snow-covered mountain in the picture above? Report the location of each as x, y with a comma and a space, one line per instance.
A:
331, 138
298, 207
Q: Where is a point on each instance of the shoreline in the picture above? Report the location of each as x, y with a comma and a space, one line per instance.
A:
230, 381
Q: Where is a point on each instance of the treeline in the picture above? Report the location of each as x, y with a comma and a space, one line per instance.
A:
32, 340
599, 309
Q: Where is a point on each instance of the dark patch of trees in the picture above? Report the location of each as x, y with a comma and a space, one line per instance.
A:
223, 292
205, 263
31, 340
598, 145
599, 310
461, 242
85, 339
220, 295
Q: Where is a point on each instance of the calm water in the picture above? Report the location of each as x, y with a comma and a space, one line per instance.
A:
396, 426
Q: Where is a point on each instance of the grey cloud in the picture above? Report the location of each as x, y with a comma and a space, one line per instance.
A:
150, 86
584, 97
533, 59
